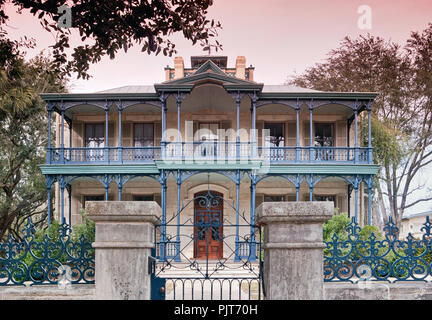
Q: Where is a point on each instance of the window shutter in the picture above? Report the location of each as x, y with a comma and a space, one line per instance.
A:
260, 128
306, 134
195, 130
226, 126
157, 133
77, 132
291, 134
341, 134
111, 134
127, 134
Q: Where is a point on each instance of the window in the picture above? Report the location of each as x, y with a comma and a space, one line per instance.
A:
92, 198
143, 134
276, 134
273, 198
324, 135
145, 197
208, 138
94, 139
208, 131
94, 135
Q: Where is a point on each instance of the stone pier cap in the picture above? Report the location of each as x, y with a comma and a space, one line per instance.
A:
295, 212
124, 211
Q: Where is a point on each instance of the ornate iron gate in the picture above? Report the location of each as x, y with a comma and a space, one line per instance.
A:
207, 256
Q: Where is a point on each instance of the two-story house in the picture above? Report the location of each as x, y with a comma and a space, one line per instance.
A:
210, 144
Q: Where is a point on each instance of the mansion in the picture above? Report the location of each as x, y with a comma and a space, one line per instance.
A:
209, 144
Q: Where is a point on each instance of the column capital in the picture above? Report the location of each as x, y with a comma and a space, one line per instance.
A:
295, 212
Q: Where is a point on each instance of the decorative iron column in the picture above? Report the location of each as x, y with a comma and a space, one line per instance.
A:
106, 133
48, 155
162, 181
350, 188
297, 187
311, 137
370, 157
70, 136
49, 182
62, 151
254, 146
62, 184
356, 186
356, 150
310, 181
163, 99
252, 252
179, 98
106, 185
298, 155
238, 101
120, 135
179, 181
237, 182
69, 190
120, 186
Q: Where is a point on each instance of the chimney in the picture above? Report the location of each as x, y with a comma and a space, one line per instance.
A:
240, 67
178, 67
167, 73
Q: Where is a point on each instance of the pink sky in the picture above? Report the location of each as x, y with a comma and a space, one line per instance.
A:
278, 37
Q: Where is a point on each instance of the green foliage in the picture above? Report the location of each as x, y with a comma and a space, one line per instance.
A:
105, 27
336, 225
23, 135
86, 228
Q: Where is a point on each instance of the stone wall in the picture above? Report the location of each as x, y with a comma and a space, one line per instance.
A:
48, 292
332, 291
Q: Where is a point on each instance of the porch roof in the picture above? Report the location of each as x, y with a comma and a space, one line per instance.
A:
149, 92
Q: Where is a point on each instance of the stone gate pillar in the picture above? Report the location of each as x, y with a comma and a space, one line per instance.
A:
293, 248
124, 238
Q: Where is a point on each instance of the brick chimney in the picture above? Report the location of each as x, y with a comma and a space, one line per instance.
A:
240, 67
178, 67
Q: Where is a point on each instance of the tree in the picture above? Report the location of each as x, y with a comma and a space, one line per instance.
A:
115, 25
402, 112
23, 134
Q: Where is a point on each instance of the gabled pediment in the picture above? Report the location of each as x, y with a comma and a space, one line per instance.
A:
208, 72
209, 66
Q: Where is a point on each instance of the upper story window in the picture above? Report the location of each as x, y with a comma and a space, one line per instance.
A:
143, 134
145, 197
92, 198
324, 135
273, 198
94, 135
276, 134
208, 131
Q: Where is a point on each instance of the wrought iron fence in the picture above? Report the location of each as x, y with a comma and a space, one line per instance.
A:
46, 260
357, 257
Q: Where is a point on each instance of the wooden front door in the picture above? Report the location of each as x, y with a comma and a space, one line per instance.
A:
208, 226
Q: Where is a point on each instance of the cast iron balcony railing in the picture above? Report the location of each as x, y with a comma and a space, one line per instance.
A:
209, 150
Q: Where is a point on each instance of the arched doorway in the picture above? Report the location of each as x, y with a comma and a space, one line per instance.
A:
208, 225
